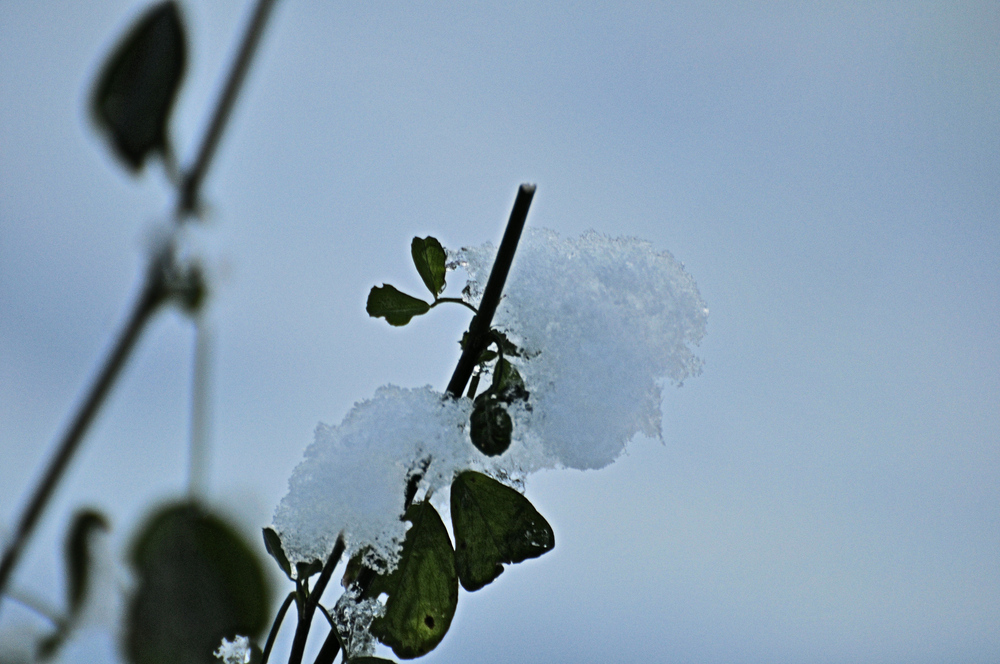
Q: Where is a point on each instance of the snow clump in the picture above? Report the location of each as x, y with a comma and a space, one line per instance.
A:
603, 321
602, 324
354, 475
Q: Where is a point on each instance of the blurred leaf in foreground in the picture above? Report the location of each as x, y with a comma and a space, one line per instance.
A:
198, 581
138, 85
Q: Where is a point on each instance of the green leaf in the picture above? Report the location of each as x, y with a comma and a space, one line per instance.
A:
422, 590
304, 570
353, 568
77, 552
509, 347
370, 660
491, 426
429, 257
138, 85
197, 582
397, 308
273, 545
508, 384
493, 525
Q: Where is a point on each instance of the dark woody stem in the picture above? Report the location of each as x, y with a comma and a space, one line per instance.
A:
479, 328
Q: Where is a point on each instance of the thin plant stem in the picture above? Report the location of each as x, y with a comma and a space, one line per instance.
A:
480, 326
456, 300
326, 614
273, 634
38, 606
309, 610
153, 294
188, 202
330, 648
200, 409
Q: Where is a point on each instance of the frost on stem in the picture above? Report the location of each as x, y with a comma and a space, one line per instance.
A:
354, 617
601, 322
236, 651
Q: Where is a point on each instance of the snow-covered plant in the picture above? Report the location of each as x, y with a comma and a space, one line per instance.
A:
574, 355
562, 364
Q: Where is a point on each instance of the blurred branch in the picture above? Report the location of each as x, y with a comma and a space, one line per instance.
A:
38, 606
200, 409
188, 202
153, 294
161, 283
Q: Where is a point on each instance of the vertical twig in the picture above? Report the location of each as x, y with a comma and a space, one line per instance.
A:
187, 203
480, 325
200, 409
276, 626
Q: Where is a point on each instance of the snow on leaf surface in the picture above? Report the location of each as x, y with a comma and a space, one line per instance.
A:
601, 322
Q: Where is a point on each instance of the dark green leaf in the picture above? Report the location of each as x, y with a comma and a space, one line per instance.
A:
491, 426
493, 524
486, 356
197, 582
397, 308
273, 545
352, 569
138, 85
77, 551
429, 257
422, 590
509, 347
304, 570
370, 660
508, 384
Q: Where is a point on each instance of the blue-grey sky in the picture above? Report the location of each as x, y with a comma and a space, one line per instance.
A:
827, 491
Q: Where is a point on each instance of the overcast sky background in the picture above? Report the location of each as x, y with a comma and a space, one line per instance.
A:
827, 491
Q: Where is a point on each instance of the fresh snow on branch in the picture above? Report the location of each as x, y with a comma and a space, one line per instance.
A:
601, 322
605, 321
